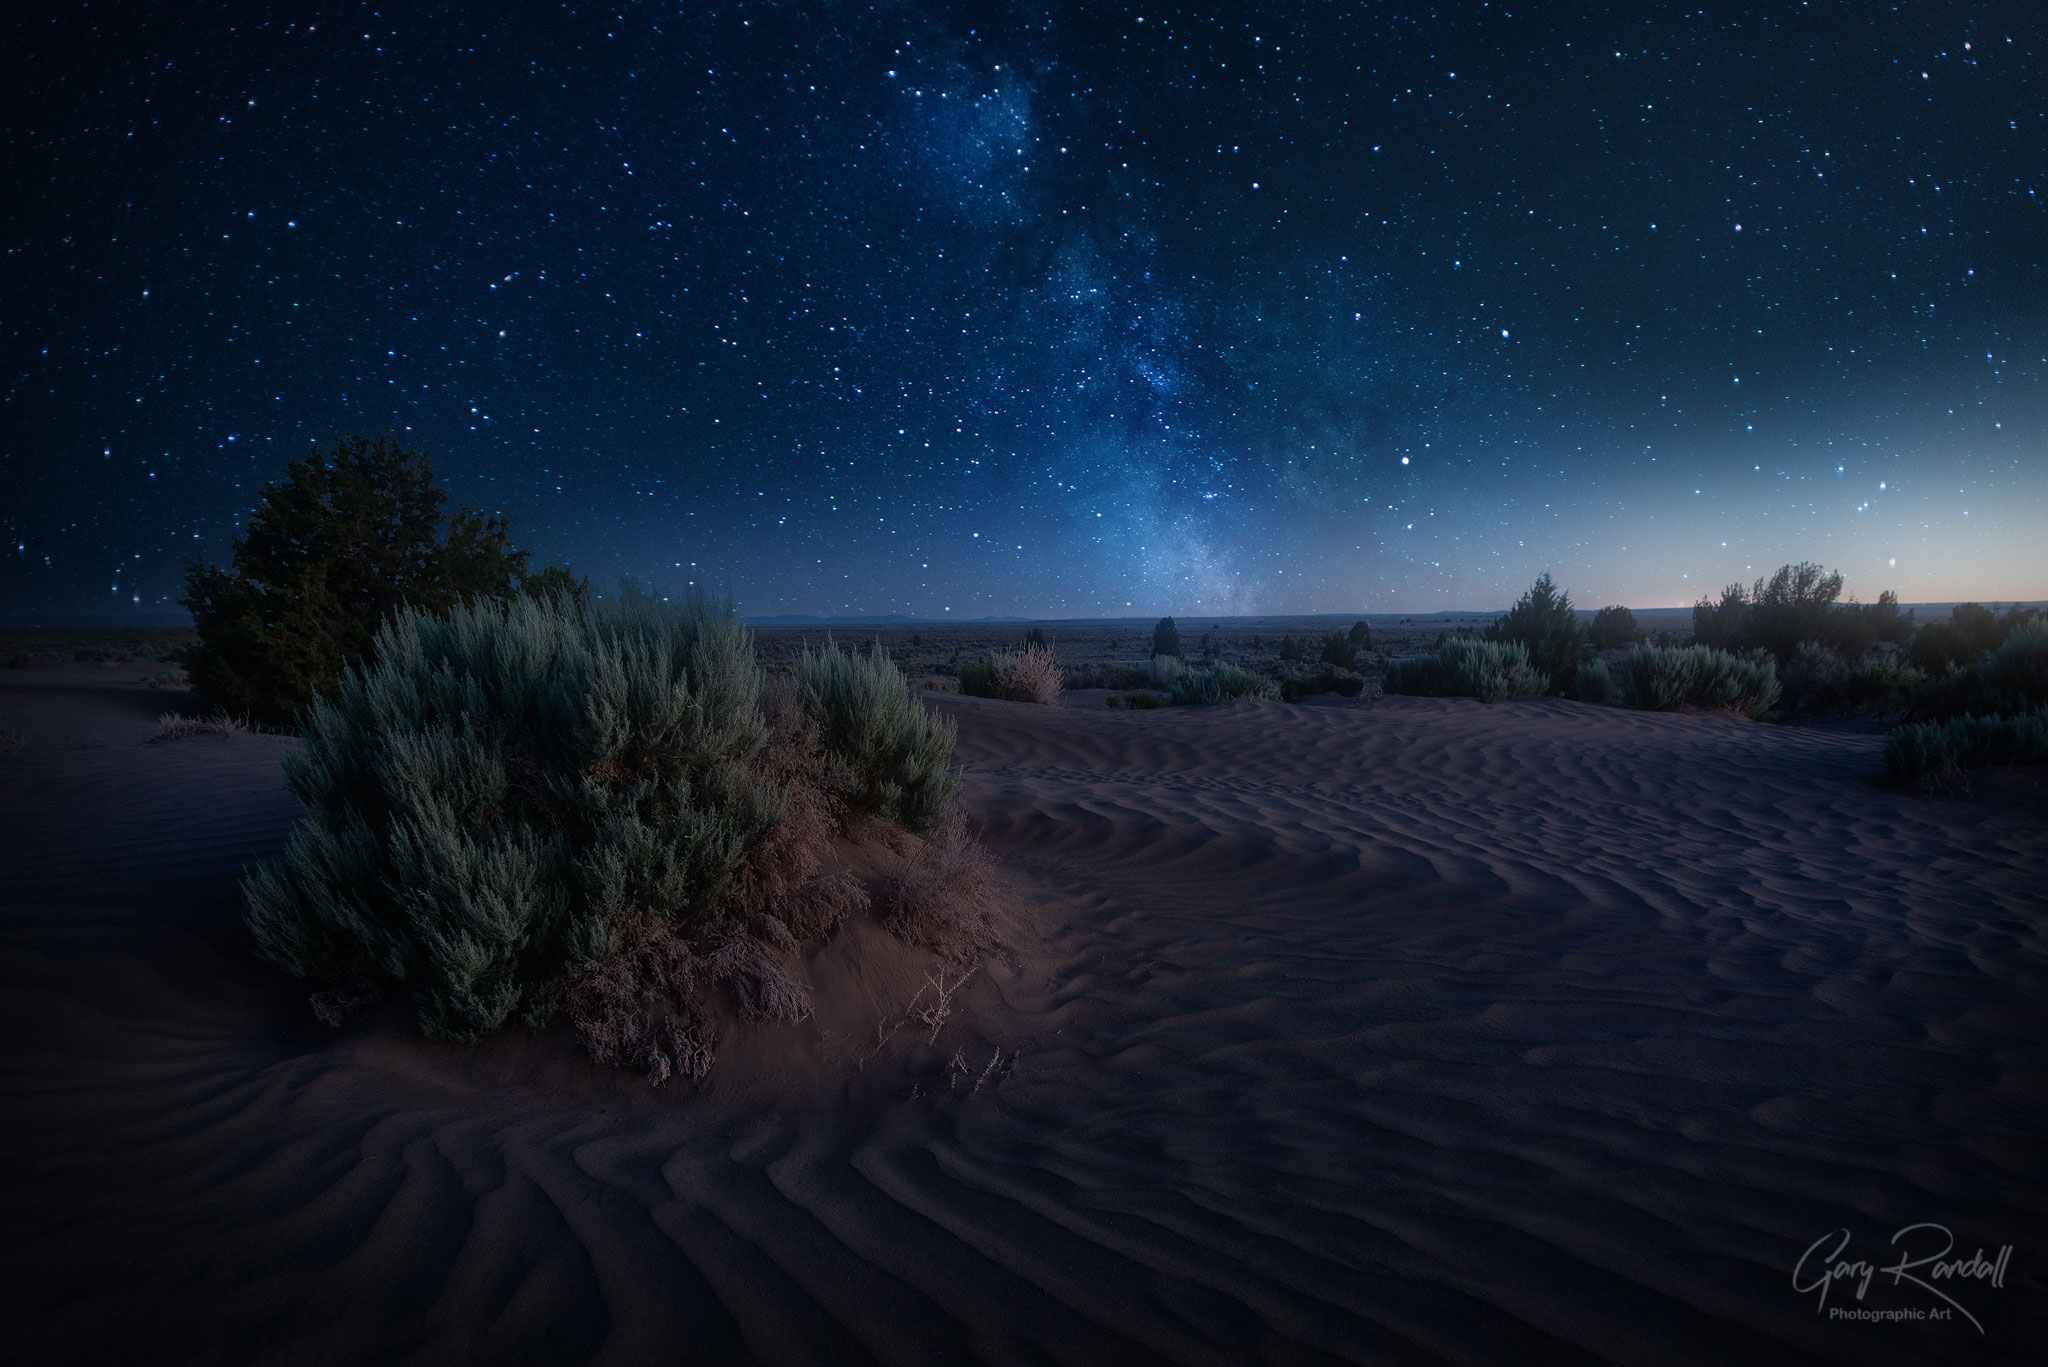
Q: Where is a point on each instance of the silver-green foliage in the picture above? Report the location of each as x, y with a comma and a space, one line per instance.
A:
1931, 756
890, 752
1220, 682
1161, 671
1491, 671
1662, 678
1593, 683
504, 788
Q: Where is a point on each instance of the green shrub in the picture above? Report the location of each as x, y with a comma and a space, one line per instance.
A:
980, 679
1296, 688
2011, 680
1614, 628
1166, 638
1939, 647
1542, 621
1593, 683
1360, 636
1221, 682
516, 808
330, 553
1161, 671
894, 752
1339, 651
1660, 679
1491, 671
1931, 757
1291, 651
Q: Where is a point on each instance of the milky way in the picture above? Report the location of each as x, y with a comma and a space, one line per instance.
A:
1054, 310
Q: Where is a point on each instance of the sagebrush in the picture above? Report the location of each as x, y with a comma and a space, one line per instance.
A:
550, 805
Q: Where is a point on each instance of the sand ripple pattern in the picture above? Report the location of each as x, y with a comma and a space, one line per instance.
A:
1408, 1031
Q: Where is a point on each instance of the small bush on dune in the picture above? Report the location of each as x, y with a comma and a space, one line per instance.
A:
1360, 636
1661, 679
942, 898
2011, 680
1490, 671
1932, 757
171, 726
520, 809
1221, 682
1031, 674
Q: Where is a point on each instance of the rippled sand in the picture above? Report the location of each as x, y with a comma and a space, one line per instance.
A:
1402, 1031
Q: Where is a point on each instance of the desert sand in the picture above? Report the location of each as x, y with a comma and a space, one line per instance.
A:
1396, 1030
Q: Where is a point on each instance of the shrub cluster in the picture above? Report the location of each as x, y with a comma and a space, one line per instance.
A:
544, 805
1661, 679
1491, 671
1818, 682
1161, 671
1797, 604
1971, 632
1221, 682
1993, 712
1029, 674
2011, 680
1932, 756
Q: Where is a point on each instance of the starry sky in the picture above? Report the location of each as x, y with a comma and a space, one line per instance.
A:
1051, 310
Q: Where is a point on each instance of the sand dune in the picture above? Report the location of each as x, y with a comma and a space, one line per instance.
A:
1400, 1031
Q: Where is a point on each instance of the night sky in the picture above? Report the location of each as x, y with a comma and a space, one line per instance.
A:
1046, 310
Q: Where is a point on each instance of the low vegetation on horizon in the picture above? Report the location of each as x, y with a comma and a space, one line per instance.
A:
349, 535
